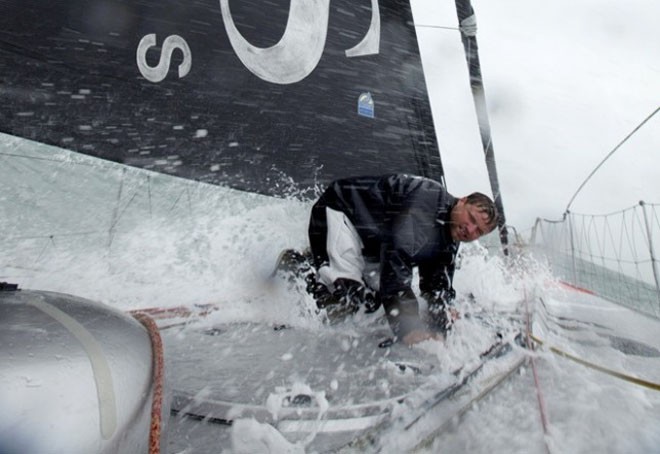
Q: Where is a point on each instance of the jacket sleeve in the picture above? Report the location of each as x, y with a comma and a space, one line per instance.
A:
401, 311
396, 295
435, 279
435, 284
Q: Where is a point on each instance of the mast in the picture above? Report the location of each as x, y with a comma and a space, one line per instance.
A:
468, 27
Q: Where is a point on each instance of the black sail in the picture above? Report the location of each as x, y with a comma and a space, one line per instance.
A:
247, 94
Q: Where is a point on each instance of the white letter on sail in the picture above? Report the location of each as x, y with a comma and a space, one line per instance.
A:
297, 53
370, 44
158, 73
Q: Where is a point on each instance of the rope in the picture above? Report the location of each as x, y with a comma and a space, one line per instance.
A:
631, 379
537, 385
158, 366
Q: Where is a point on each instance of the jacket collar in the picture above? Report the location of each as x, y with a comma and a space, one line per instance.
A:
445, 205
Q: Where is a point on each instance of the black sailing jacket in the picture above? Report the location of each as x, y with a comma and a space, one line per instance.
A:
403, 222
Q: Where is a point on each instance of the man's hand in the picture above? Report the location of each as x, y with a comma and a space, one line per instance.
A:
417, 336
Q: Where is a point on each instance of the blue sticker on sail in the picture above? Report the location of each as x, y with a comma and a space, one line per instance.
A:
366, 105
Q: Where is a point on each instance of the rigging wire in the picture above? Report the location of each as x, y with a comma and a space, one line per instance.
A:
608, 156
436, 26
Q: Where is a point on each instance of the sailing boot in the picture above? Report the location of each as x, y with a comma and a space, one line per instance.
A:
292, 264
350, 296
357, 294
334, 303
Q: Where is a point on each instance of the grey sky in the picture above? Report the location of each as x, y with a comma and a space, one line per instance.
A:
565, 82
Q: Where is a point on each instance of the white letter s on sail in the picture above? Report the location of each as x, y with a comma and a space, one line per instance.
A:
159, 72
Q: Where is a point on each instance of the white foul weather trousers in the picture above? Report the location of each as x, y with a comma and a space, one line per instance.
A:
344, 248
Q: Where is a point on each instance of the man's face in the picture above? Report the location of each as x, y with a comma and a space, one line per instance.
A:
467, 223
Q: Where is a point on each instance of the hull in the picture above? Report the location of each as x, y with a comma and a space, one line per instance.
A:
326, 390
316, 388
75, 376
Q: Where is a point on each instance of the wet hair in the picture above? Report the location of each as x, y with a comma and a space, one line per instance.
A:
485, 205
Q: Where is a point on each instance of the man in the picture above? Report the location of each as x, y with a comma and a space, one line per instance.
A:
383, 226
